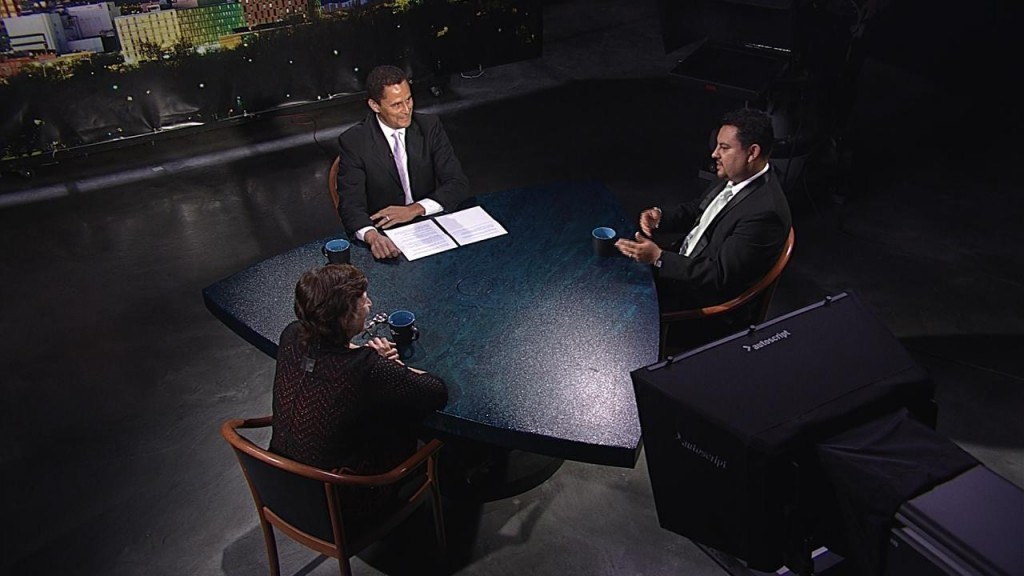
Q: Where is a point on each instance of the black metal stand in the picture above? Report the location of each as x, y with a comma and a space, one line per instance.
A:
480, 472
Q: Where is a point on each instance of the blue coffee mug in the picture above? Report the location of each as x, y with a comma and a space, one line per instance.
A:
403, 327
337, 251
604, 241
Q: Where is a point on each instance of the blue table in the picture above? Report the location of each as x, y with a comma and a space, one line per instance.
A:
534, 334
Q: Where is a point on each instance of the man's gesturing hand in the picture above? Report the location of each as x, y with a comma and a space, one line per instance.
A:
642, 250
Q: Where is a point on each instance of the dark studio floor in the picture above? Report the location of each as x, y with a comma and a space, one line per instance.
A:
116, 377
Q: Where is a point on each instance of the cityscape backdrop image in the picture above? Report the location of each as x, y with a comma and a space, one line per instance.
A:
73, 74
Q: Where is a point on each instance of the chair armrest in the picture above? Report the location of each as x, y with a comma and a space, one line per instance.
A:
259, 422
239, 442
677, 315
426, 452
766, 283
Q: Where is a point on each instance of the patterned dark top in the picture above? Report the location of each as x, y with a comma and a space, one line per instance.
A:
353, 411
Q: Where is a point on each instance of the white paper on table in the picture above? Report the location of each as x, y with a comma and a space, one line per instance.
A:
471, 225
420, 239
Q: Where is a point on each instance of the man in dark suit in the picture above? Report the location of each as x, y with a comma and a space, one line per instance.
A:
395, 165
735, 233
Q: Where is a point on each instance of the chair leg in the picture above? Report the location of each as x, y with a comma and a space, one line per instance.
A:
439, 531
344, 568
271, 544
663, 344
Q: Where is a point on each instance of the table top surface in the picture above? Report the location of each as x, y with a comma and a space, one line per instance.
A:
534, 334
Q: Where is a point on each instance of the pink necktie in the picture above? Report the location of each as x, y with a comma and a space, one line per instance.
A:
403, 173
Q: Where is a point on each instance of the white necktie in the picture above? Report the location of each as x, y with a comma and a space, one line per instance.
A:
403, 171
709, 214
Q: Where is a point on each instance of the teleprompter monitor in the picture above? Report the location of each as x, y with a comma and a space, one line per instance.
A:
728, 427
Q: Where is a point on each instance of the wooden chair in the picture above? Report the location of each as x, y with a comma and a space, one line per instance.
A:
306, 502
332, 183
757, 297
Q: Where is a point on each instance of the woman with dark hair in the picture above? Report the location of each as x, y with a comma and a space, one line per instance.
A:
343, 407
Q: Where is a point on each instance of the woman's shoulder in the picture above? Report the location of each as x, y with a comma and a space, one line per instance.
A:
293, 332
290, 333
352, 361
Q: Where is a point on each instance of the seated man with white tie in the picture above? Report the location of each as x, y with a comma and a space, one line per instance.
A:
735, 232
395, 165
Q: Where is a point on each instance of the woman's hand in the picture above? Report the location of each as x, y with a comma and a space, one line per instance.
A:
384, 347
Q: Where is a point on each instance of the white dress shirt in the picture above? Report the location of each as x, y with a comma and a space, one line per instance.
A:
429, 206
712, 210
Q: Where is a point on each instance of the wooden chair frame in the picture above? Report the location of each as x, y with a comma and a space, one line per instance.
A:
764, 288
332, 183
344, 546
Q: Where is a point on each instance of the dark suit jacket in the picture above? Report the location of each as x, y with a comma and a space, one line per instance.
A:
738, 248
368, 179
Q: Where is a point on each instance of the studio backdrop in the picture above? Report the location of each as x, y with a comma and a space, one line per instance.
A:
150, 68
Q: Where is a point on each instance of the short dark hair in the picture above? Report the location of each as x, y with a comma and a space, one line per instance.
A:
752, 127
382, 76
326, 296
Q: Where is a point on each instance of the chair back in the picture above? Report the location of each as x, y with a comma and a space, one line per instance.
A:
305, 502
332, 183
760, 293
755, 299
294, 498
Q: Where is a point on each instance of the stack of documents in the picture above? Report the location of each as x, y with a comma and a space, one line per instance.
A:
445, 232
